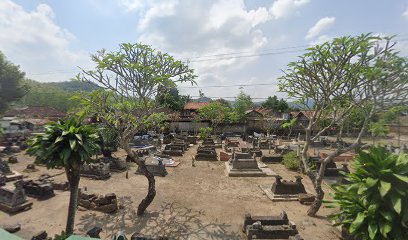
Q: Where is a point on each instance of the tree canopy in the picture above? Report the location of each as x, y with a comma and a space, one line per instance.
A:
279, 105
242, 103
132, 77
11, 83
341, 76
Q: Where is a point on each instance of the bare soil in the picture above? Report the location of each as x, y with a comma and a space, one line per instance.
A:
191, 203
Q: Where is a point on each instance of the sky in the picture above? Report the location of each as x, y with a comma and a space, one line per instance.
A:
231, 44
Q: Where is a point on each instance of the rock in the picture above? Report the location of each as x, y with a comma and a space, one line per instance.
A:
12, 159
12, 228
40, 236
30, 168
94, 232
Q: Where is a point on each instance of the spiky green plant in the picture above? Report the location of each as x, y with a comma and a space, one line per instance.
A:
66, 143
374, 205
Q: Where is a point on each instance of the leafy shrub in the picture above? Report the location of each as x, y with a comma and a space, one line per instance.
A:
374, 205
291, 161
204, 132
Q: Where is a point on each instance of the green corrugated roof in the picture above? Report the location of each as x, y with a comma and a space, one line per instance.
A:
4, 235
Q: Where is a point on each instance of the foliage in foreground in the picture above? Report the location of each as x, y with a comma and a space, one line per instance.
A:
66, 143
374, 205
291, 161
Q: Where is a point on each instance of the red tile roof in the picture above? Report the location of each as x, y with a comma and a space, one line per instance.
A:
195, 105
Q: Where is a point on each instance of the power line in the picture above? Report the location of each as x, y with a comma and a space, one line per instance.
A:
234, 85
222, 56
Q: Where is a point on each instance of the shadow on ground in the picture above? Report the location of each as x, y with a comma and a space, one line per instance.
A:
172, 220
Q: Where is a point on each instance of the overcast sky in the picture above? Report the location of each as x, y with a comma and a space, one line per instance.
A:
228, 42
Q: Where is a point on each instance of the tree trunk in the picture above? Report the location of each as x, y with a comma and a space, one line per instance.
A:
317, 184
151, 193
73, 179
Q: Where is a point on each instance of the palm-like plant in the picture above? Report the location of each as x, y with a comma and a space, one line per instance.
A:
374, 205
69, 144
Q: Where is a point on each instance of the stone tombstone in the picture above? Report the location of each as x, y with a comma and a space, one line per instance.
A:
96, 170
12, 159
158, 169
4, 168
40, 190
104, 203
283, 187
2, 179
270, 227
243, 161
13, 200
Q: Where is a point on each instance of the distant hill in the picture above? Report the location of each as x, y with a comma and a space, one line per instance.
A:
57, 95
74, 86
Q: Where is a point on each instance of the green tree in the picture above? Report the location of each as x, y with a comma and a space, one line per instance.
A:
242, 103
172, 99
11, 83
374, 204
49, 95
68, 144
217, 113
290, 124
275, 104
340, 76
134, 75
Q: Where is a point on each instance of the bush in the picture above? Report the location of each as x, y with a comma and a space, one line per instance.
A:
291, 161
204, 132
374, 205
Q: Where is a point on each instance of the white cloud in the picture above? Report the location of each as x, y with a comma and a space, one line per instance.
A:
320, 40
320, 26
190, 29
34, 41
284, 8
405, 14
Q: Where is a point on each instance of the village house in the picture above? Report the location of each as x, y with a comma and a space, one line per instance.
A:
28, 119
187, 120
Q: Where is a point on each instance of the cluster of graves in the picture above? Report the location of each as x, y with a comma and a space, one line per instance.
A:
13, 144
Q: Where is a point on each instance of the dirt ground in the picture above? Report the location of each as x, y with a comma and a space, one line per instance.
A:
191, 203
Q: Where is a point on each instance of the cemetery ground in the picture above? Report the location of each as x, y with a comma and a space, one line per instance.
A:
198, 202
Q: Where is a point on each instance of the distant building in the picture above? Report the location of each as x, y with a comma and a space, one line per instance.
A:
187, 120
28, 119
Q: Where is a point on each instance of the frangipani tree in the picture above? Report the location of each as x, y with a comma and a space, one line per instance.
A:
134, 75
340, 76
69, 144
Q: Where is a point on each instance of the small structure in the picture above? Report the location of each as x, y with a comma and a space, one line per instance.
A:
332, 171
9, 174
14, 200
270, 227
206, 153
283, 190
103, 203
30, 168
272, 158
115, 164
173, 150
95, 170
245, 165
157, 168
37, 189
